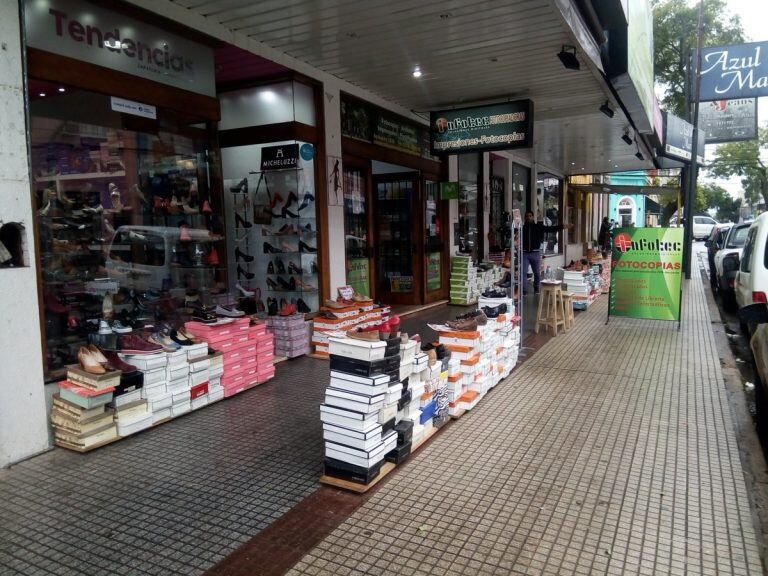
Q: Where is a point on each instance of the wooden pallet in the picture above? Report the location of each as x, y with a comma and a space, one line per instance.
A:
386, 468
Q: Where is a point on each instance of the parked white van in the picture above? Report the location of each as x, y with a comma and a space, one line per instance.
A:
752, 278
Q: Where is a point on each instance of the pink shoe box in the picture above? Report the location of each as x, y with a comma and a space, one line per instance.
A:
265, 347
232, 343
257, 330
207, 331
266, 373
291, 333
265, 358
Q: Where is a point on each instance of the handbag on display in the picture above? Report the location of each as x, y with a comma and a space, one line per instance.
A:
262, 212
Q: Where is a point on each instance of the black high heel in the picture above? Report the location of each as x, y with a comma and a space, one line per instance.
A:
313, 267
271, 283
269, 249
292, 284
302, 306
280, 266
283, 284
304, 247
241, 187
240, 254
307, 199
287, 213
241, 272
241, 222
270, 268
293, 269
291, 199
272, 306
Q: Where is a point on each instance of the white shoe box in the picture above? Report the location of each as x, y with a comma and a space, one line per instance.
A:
199, 364
196, 378
408, 351
181, 396
160, 402
358, 349
146, 362
200, 401
178, 385
154, 390
142, 422
178, 371
177, 409
155, 376
161, 414
197, 350
387, 413
177, 357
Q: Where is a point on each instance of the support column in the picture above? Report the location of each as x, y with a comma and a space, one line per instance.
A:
23, 422
337, 264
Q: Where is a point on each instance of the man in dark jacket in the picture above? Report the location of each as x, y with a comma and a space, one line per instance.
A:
533, 236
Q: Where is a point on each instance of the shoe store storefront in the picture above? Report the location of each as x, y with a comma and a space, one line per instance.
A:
395, 222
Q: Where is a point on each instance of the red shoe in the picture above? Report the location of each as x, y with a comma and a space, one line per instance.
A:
184, 235
394, 324
53, 304
288, 309
207, 207
212, 258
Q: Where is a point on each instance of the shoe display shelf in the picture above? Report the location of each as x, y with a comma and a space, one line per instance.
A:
90, 411
339, 320
248, 352
275, 248
291, 334
583, 285
468, 281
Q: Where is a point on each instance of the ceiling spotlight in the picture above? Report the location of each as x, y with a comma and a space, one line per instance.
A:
42, 94
607, 110
626, 138
62, 89
417, 72
567, 56
639, 155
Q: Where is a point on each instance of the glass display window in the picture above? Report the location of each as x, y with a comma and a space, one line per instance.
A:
550, 199
129, 227
467, 237
274, 249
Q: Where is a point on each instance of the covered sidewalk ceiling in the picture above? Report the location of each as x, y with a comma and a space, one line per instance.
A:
469, 51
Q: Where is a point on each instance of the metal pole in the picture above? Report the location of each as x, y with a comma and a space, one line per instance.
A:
690, 196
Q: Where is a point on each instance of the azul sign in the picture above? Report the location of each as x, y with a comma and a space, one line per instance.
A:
90, 33
493, 127
739, 71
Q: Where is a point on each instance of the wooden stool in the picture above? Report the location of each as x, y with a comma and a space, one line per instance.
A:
568, 306
551, 312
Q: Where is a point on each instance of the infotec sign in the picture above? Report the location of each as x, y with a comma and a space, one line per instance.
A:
492, 127
739, 71
93, 34
646, 272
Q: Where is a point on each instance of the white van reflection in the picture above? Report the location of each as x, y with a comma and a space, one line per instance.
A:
159, 257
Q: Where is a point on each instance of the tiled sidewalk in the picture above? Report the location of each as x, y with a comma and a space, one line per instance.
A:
610, 451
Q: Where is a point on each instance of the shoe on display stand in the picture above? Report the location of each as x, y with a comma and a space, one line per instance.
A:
269, 249
241, 222
88, 362
270, 268
243, 291
245, 273
240, 255
304, 247
120, 328
280, 266
228, 312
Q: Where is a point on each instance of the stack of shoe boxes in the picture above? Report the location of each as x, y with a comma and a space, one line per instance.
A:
244, 358
152, 367
199, 375
464, 381
291, 335
364, 378
335, 321
463, 281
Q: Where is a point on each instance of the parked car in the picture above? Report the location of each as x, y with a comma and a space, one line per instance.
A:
702, 227
751, 285
756, 315
727, 262
714, 243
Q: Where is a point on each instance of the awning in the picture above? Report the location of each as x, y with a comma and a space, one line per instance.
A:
652, 207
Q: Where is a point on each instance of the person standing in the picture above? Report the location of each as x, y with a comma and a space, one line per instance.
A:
533, 236
604, 236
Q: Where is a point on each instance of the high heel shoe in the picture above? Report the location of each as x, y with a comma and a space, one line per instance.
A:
243, 291
302, 306
280, 266
270, 268
269, 249
288, 214
305, 202
241, 272
293, 269
272, 284
240, 254
272, 306
241, 187
275, 199
313, 267
304, 247
283, 284
241, 222
291, 199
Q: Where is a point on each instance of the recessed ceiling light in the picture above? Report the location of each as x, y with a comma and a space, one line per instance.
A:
446, 15
62, 89
615, 165
417, 72
42, 94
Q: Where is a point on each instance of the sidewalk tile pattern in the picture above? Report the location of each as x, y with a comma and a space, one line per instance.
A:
610, 451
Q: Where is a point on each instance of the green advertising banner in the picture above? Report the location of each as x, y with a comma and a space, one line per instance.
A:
358, 275
449, 190
646, 272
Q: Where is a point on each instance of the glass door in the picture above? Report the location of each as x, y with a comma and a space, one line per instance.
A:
398, 278
434, 245
356, 231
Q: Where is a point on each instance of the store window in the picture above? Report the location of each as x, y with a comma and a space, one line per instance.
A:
467, 236
549, 189
128, 225
356, 231
434, 235
497, 216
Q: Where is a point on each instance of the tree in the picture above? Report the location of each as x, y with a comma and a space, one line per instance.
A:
674, 37
711, 196
743, 159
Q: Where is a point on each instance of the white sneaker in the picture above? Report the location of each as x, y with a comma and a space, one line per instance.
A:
227, 313
120, 328
104, 327
243, 291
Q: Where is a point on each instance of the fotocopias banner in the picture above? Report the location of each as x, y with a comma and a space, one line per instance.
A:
646, 271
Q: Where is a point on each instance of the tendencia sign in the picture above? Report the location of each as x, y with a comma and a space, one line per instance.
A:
646, 272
